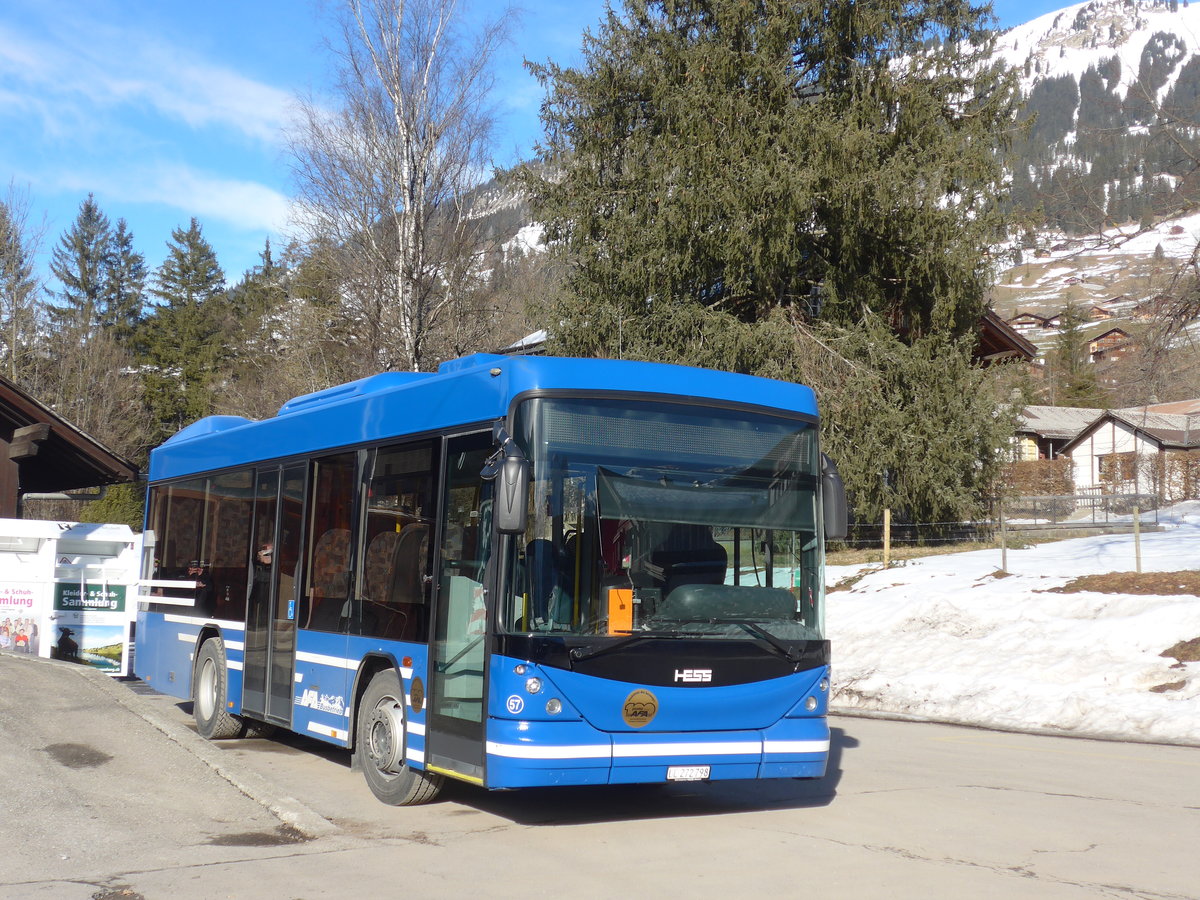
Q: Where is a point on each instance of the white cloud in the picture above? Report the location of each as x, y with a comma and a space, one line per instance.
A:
243, 205
84, 69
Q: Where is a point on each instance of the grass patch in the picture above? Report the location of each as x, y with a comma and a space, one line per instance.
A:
1162, 583
1184, 651
862, 555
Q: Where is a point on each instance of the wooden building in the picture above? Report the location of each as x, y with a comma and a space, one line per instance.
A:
40, 452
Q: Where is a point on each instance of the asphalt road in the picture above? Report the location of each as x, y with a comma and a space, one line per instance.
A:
108, 793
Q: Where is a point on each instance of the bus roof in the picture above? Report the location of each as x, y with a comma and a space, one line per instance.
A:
476, 388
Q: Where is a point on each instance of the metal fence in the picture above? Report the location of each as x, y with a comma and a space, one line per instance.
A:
1083, 511
1088, 507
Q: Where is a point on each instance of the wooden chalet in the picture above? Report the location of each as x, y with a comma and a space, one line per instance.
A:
40, 452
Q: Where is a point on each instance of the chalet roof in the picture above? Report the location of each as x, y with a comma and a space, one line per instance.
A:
1172, 431
1179, 407
1058, 422
999, 341
42, 452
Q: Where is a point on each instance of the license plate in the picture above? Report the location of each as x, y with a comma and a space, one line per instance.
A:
687, 773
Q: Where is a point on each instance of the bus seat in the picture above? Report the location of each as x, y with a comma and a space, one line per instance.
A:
379, 566
407, 587
329, 587
689, 555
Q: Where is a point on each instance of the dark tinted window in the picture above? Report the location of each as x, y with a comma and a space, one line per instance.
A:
330, 536
395, 587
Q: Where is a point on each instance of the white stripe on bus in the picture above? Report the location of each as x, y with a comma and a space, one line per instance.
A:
634, 751
707, 748
796, 746
336, 733
529, 751
196, 620
338, 662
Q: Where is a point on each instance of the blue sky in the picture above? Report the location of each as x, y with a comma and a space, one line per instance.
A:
167, 110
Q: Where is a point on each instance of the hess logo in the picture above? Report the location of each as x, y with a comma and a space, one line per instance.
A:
693, 676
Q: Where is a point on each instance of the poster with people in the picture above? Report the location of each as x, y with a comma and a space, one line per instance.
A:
20, 628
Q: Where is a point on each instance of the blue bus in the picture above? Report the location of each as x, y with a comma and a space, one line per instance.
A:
515, 571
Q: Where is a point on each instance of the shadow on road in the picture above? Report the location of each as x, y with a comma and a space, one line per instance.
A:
579, 805
614, 803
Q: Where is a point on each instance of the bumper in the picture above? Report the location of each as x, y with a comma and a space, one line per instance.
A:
533, 754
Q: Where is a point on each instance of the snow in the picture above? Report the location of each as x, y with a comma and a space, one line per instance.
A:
942, 638
527, 240
1115, 28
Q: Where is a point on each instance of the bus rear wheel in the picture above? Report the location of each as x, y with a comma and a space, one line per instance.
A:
380, 745
209, 692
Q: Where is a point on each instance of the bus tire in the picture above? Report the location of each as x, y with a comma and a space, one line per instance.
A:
209, 691
380, 746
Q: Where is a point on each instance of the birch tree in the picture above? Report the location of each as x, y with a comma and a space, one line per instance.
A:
382, 172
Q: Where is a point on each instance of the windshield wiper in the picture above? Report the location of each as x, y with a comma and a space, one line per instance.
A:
791, 654
631, 637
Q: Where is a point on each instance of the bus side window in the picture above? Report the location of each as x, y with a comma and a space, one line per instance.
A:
396, 588
331, 516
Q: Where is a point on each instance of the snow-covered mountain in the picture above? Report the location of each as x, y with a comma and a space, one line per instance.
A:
1112, 98
1112, 155
1087, 35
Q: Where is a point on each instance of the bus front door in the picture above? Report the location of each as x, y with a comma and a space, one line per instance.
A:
270, 648
455, 739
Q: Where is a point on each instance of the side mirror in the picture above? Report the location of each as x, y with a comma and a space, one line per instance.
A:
512, 491
833, 501
509, 468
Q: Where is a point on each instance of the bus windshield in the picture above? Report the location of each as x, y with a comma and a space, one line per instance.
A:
660, 519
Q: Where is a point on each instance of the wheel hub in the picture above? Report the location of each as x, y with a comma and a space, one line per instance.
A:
385, 737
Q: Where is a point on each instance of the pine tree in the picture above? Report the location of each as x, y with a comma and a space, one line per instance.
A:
1073, 373
124, 287
79, 263
182, 342
916, 428
190, 274
18, 290
733, 158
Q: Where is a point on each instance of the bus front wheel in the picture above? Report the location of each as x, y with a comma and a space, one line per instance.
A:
213, 720
380, 745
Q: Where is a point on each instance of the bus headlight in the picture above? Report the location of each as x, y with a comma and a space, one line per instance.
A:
823, 685
810, 703
533, 685
554, 706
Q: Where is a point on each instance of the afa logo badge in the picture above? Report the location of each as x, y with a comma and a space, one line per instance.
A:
640, 707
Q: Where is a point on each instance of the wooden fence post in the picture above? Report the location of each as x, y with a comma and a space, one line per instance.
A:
1137, 539
887, 538
1003, 539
